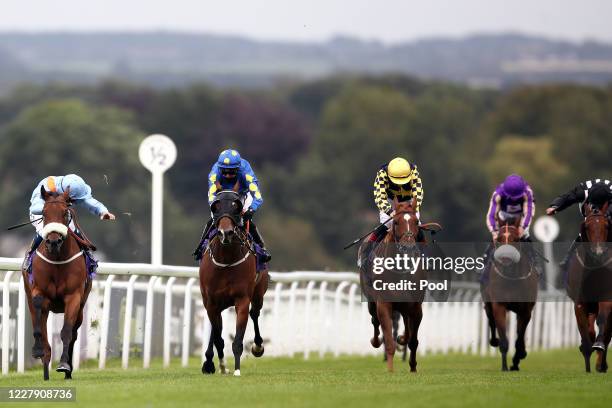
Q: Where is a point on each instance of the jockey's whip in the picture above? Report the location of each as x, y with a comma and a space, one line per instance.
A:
358, 240
23, 224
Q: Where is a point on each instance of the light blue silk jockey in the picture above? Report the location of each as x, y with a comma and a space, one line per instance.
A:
232, 172
80, 194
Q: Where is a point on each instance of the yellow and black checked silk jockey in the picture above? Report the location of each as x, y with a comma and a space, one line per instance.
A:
229, 170
400, 179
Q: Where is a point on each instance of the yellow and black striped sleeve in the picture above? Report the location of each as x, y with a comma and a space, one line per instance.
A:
381, 184
417, 187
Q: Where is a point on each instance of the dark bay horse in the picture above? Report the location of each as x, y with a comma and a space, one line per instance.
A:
59, 282
403, 235
228, 277
589, 285
512, 286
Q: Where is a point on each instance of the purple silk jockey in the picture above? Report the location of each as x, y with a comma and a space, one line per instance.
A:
511, 199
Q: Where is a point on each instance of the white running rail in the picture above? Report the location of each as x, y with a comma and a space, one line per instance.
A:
304, 312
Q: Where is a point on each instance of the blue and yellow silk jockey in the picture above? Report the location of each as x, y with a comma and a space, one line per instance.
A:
80, 194
230, 169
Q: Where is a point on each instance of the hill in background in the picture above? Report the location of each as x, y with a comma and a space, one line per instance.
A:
173, 59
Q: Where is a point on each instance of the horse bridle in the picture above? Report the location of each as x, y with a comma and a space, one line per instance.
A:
408, 234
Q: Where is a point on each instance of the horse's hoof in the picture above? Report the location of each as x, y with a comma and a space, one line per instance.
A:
37, 352
237, 373
67, 376
223, 367
208, 367
257, 351
598, 346
514, 368
375, 341
494, 343
63, 368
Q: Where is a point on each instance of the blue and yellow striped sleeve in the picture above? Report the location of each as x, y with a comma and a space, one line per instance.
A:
253, 186
212, 185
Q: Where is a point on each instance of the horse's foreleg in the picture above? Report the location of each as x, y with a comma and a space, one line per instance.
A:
499, 314
384, 310
256, 304
216, 322
72, 307
582, 320
413, 343
603, 338
242, 318
520, 351
208, 367
375, 341
75, 333
39, 304
489, 311
46, 358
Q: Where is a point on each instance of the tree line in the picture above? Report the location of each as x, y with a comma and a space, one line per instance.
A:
315, 146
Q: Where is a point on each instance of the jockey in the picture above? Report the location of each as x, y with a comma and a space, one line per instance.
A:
511, 199
596, 192
230, 169
80, 194
397, 179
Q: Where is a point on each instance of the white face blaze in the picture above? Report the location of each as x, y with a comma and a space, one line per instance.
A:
407, 217
54, 227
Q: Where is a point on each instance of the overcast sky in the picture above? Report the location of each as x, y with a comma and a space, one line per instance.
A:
387, 20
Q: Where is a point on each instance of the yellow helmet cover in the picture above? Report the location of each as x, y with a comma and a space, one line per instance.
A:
399, 171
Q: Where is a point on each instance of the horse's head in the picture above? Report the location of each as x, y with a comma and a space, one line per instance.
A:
227, 210
509, 230
56, 217
596, 227
405, 223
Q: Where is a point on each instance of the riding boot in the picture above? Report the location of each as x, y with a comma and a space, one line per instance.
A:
488, 261
564, 262
197, 253
266, 257
534, 258
35, 243
377, 235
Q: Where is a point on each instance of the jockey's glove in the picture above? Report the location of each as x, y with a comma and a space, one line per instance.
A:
248, 214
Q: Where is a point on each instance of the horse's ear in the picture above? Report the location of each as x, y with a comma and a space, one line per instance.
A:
43, 193
67, 194
413, 203
604, 208
236, 186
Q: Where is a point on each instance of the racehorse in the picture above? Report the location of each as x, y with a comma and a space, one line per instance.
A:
589, 285
401, 236
229, 277
512, 285
59, 281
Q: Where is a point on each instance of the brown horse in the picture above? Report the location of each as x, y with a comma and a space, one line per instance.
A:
59, 282
589, 284
228, 277
401, 236
512, 285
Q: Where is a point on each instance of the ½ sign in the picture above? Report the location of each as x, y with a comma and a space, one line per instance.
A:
546, 228
157, 153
